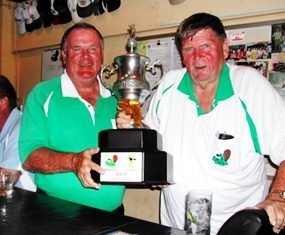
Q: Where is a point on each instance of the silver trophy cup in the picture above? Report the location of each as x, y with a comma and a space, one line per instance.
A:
131, 156
131, 68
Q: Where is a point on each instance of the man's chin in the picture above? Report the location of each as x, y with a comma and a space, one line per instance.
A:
87, 74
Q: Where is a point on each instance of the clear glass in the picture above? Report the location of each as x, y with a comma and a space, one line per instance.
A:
198, 212
9, 184
8, 178
2, 184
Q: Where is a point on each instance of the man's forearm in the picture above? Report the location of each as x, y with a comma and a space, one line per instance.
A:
48, 161
278, 185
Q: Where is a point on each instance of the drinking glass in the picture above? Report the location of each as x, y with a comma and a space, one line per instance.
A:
8, 178
9, 184
198, 212
2, 184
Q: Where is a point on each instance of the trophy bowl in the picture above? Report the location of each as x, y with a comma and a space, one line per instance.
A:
131, 156
131, 83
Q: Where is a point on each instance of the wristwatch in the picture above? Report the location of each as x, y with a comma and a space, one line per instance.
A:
282, 193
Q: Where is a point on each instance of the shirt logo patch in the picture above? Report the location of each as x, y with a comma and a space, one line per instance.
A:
222, 158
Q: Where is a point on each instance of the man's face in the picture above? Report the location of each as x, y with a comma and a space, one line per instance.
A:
83, 55
204, 55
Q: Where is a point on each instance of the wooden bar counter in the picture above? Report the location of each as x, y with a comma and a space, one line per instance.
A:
29, 213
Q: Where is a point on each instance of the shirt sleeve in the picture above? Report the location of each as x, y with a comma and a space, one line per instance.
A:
277, 147
151, 118
33, 133
11, 159
266, 108
158, 104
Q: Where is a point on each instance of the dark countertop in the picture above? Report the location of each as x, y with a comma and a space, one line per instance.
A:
36, 213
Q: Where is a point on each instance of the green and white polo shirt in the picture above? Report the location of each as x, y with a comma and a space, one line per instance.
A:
219, 150
56, 117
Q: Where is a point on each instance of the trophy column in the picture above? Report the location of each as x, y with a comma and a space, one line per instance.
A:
131, 156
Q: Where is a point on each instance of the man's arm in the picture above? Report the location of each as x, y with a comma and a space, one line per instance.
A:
278, 185
274, 203
48, 161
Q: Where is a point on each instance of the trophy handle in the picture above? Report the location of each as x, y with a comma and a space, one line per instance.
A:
105, 73
152, 69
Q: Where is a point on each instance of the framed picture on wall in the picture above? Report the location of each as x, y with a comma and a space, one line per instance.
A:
260, 66
277, 79
258, 50
51, 64
237, 52
278, 37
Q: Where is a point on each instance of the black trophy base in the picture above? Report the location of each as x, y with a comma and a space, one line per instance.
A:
131, 157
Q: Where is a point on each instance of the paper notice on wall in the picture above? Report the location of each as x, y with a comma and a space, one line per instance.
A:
249, 35
163, 50
238, 36
51, 64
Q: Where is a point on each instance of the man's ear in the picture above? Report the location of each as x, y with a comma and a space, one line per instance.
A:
63, 56
226, 48
4, 102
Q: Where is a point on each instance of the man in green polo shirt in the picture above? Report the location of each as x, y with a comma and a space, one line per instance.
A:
61, 121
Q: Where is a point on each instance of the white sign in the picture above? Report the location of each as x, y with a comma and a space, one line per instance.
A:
122, 167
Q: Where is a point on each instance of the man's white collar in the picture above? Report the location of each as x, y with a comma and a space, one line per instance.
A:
69, 90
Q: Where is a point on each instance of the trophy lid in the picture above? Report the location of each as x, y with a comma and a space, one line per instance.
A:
131, 50
132, 42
